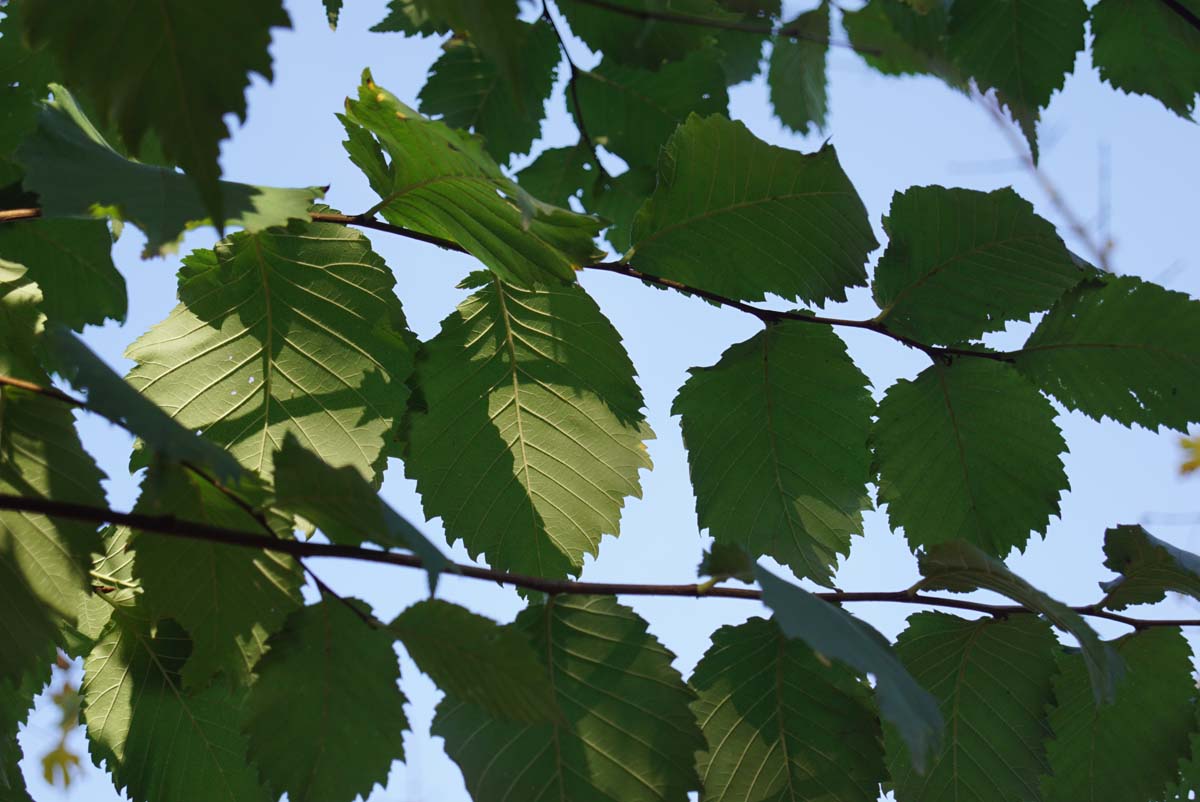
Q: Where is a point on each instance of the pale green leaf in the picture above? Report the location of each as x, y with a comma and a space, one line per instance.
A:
176, 88
961, 262
109, 395
627, 732
633, 112
286, 331
440, 182
1167, 69
780, 724
622, 32
1148, 568
113, 585
1129, 749
468, 90
1023, 49
992, 679
27, 626
962, 568
741, 218
158, 742
969, 451
776, 434
71, 262
834, 633
229, 599
796, 75
475, 660
77, 174
344, 506
1120, 348
325, 718
530, 433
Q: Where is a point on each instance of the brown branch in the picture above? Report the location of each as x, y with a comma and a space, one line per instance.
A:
19, 214
49, 392
170, 526
724, 24
573, 89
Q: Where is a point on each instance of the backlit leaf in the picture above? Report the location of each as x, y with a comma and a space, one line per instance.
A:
1148, 568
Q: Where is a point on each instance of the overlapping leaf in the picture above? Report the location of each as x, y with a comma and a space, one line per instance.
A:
831, 631
1021, 48
440, 182
969, 451
896, 40
76, 173
776, 434
114, 585
962, 568
627, 732
796, 75
633, 111
742, 48
345, 506
469, 91
1130, 749
230, 600
736, 216
619, 200
1170, 69
781, 725
530, 436
1148, 568
477, 661
292, 331
1120, 348
634, 32
175, 89
325, 718
157, 741
412, 18
960, 263
992, 678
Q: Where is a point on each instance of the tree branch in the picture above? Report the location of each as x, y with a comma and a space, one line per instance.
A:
724, 24
573, 89
170, 526
49, 392
1183, 11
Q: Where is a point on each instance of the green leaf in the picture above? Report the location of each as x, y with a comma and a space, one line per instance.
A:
743, 49
16, 699
558, 174
633, 112
627, 735
27, 627
71, 261
741, 218
110, 396
619, 200
76, 173
530, 436
962, 568
325, 718
724, 561
344, 506
412, 18
175, 89
440, 182
626, 30
333, 9
116, 590
832, 632
158, 742
1169, 70
292, 331
992, 679
475, 660
1021, 48
782, 725
1188, 784
1130, 749
1121, 348
776, 434
469, 91
895, 40
492, 25
969, 451
1148, 568
229, 599
796, 76
961, 262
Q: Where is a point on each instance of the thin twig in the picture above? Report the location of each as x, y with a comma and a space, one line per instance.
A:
170, 526
573, 89
724, 24
49, 392
19, 214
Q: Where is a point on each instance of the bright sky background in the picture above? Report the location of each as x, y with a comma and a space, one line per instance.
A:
890, 134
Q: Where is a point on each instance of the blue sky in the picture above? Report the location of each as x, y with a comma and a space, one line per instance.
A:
890, 134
